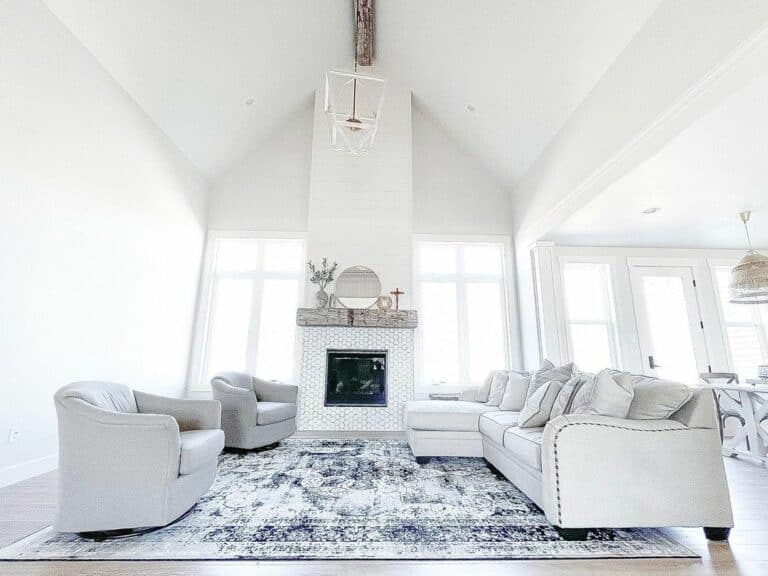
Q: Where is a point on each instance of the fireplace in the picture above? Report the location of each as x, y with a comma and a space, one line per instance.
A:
356, 378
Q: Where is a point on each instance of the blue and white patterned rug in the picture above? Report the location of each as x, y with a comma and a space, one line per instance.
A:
353, 499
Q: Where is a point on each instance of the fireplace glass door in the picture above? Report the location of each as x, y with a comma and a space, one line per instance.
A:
356, 378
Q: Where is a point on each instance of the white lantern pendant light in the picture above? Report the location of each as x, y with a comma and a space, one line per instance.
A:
353, 106
749, 278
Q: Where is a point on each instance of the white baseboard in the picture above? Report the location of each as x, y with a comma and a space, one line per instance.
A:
28, 469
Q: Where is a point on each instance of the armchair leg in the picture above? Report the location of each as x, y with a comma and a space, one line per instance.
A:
572, 534
717, 534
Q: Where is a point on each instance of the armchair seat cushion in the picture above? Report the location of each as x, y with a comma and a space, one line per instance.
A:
494, 424
273, 412
524, 445
198, 448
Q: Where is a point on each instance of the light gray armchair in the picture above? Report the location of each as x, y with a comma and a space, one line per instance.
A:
255, 412
130, 460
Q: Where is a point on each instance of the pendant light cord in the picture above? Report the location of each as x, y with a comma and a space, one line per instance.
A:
745, 218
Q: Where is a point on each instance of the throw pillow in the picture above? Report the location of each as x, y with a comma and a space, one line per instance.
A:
536, 411
485, 389
516, 392
604, 395
563, 401
656, 399
498, 387
548, 372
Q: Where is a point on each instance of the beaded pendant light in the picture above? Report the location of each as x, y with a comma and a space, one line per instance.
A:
749, 278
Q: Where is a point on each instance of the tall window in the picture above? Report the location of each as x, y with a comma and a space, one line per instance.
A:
746, 328
463, 306
249, 307
592, 337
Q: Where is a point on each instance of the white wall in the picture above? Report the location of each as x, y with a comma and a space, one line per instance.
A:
453, 193
101, 230
269, 188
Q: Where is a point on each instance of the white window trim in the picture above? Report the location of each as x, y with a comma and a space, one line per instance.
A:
562, 307
511, 355
205, 297
713, 264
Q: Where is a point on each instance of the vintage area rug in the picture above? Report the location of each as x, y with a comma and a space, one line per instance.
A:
353, 499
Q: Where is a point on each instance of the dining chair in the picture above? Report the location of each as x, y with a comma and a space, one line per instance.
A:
725, 413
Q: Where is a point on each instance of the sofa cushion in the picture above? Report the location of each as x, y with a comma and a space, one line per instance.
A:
537, 408
273, 412
524, 445
494, 424
445, 415
198, 448
484, 389
605, 395
498, 386
516, 391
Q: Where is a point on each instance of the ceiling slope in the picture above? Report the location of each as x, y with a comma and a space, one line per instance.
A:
523, 65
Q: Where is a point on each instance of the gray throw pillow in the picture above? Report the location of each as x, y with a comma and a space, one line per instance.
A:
498, 386
516, 392
563, 401
537, 408
604, 395
548, 372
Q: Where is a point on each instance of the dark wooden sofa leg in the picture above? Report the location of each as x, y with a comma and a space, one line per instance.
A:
717, 534
420, 460
572, 534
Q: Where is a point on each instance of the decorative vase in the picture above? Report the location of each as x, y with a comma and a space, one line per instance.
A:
321, 298
384, 303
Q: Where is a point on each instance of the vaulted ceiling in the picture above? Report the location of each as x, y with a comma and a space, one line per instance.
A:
523, 66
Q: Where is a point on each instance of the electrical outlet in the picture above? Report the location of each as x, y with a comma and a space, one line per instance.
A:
13, 435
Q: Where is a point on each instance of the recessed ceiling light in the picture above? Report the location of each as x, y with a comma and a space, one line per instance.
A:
652, 210
250, 101
471, 107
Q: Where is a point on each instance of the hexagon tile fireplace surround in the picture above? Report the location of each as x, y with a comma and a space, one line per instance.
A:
337, 330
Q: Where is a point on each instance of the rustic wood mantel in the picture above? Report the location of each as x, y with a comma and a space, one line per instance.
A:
357, 318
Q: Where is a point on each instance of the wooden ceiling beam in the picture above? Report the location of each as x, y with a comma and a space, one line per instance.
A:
364, 32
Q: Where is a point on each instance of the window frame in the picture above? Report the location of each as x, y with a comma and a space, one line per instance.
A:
207, 289
761, 324
460, 280
562, 306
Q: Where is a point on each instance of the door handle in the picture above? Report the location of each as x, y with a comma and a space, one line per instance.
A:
651, 364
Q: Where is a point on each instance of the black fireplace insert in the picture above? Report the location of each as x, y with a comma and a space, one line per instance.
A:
356, 378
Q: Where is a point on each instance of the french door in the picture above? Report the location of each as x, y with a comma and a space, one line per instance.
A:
669, 323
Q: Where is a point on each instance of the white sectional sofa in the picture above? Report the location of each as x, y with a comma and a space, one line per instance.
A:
592, 471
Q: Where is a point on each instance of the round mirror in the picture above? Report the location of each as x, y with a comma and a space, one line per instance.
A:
358, 287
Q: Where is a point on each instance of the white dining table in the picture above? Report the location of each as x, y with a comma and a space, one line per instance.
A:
750, 401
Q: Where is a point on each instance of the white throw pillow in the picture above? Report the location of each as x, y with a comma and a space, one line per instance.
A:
537, 408
548, 372
485, 388
516, 392
604, 395
656, 399
498, 387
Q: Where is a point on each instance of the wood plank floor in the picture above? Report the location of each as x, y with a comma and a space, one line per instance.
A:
28, 506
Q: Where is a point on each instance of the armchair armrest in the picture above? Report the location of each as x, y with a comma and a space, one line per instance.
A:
275, 391
468, 395
613, 472
190, 414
